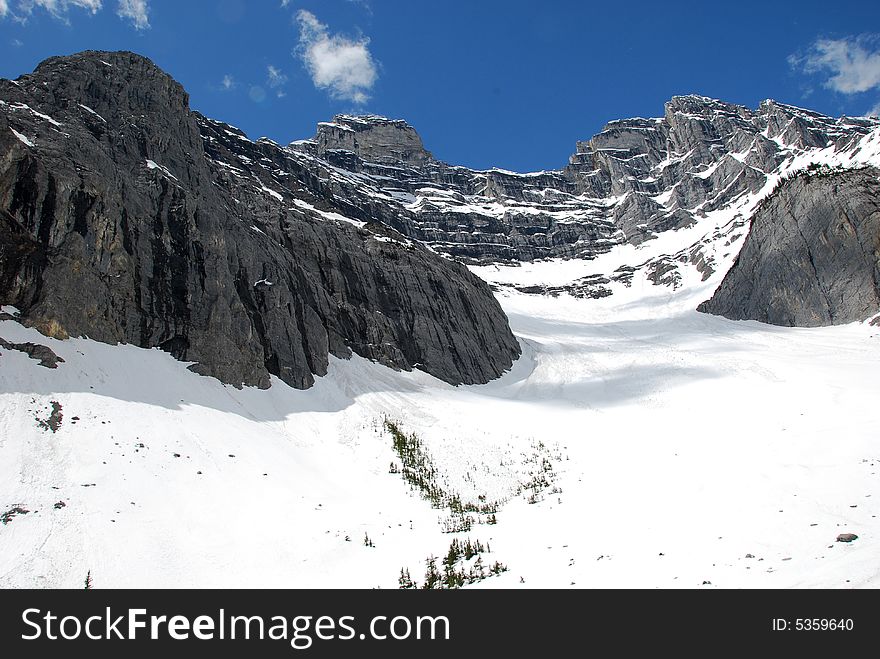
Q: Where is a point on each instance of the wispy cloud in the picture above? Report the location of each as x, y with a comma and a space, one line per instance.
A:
135, 11
228, 83
875, 111
59, 8
850, 65
853, 63
342, 66
276, 76
276, 80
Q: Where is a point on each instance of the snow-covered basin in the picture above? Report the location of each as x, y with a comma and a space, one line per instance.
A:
690, 451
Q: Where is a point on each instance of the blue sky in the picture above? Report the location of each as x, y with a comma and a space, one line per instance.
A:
511, 84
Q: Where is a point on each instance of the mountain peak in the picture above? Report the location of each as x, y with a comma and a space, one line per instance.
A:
110, 82
367, 121
702, 105
372, 138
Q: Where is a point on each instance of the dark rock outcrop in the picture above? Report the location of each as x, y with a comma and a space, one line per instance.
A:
122, 219
812, 257
43, 354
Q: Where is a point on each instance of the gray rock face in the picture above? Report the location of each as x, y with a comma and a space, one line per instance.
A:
125, 217
813, 255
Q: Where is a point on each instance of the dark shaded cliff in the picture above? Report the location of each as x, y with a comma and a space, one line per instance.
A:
116, 223
812, 257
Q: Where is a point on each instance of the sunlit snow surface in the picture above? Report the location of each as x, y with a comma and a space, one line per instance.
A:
682, 443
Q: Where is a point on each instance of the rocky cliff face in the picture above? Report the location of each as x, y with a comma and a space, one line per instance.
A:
633, 181
384, 172
813, 254
125, 217
701, 155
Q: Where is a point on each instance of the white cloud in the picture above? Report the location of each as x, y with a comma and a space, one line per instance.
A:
4, 8
276, 80
136, 11
276, 76
875, 111
852, 63
338, 64
59, 8
228, 83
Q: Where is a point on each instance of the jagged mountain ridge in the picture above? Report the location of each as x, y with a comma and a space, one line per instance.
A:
636, 178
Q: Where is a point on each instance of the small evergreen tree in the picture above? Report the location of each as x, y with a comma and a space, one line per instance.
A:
405, 580
452, 555
432, 576
453, 579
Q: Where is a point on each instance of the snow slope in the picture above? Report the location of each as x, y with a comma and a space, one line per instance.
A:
675, 444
